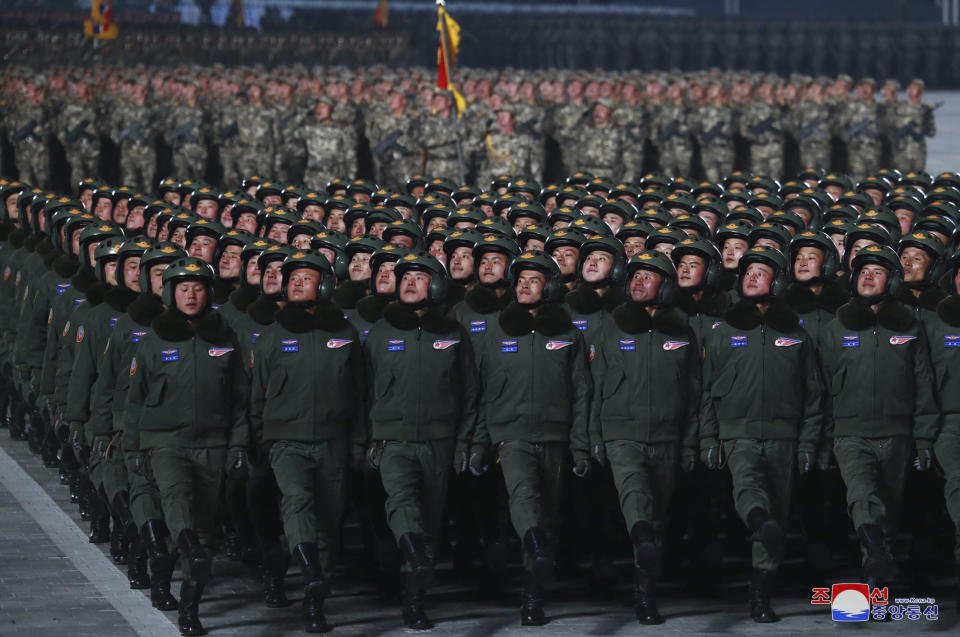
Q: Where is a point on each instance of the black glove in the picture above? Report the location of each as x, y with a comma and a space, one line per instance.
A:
805, 461
600, 454
710, 454
924, 459
461, 460
237, 462
581, 467
688, 459
478, 465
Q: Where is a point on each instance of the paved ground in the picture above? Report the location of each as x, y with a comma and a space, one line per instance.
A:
943, 151
53, 582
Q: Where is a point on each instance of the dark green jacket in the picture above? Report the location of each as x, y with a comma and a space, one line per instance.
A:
74, 336
760, 378
478, 310
589, 311
188, 382
236, 306
816, 310
943, 335
878, 369
58, 321
646, 376
421, 377
925, 303
536, 380
113, 375
368, 311
307, 378
704, 312
259, 314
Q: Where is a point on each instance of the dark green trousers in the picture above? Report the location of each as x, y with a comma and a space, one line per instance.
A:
144, 496
310, 476
644, 474
947, 450
415, 476
533, 473
762, 472
874, 470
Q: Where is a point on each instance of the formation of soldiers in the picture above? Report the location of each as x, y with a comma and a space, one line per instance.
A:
301, 125
577, 361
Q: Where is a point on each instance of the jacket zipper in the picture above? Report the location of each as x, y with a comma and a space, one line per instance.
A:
763, 376
876, 357
418, 368
648, 361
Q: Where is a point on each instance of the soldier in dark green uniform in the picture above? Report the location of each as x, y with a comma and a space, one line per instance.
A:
876, 360
422, 395
644, 413
309, 434
699, 270
188, 403
534, 410
762, 398
923, 261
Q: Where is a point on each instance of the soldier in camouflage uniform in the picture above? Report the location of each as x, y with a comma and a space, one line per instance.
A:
185, 126
811, 123
255, 134
290, 158
28, 128
761, 125
226, 135
601, 143
859, 129
78, 133
909, 124
331, 148
391, 138
670, 132
633, 120
566, 122
438, 138
506, 151
715, 126
133, 128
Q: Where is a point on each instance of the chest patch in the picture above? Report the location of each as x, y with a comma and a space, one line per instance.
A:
169, 355
217, 352
580, 324
62, 287
739, 340
396, 345
628, 345
851, 340
951, 340
254, 337
337, 343
900, 340
444, 344
669, 346
478, 326
136, 336
786, 342
555, 345
508, 347
290, 345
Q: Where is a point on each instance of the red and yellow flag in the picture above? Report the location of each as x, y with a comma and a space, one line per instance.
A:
381, 15
447, 54
100, 24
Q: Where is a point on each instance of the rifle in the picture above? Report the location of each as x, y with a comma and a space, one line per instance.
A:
863, 127
908, 130
390, 141
285, 120
813, 127
181, 131
132, 131
714, 132
527, 126
74, 133
633, 133
762, 127
670, 131
228, 132
25, 132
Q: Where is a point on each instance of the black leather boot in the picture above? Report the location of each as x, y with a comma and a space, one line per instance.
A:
879, 563
119, 546
768, 530
315, 590
760, 584
275, 563
137, 573
538, 550
644, 545
645, 598
197, 556
531, 602
414, 615
100, 522
189, 619
415, 551
152, 535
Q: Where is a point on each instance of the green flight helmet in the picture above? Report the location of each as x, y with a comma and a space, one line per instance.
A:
186, 269
820, 241
772, 231
94, 232
613, 247
314, 261
884, 256
655, 262
498, 226
131, 248
554, 289
422, 261
934, 249
712, 262
404, 228
251, 250
333, 240
105, 252
592, 226
769, 257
